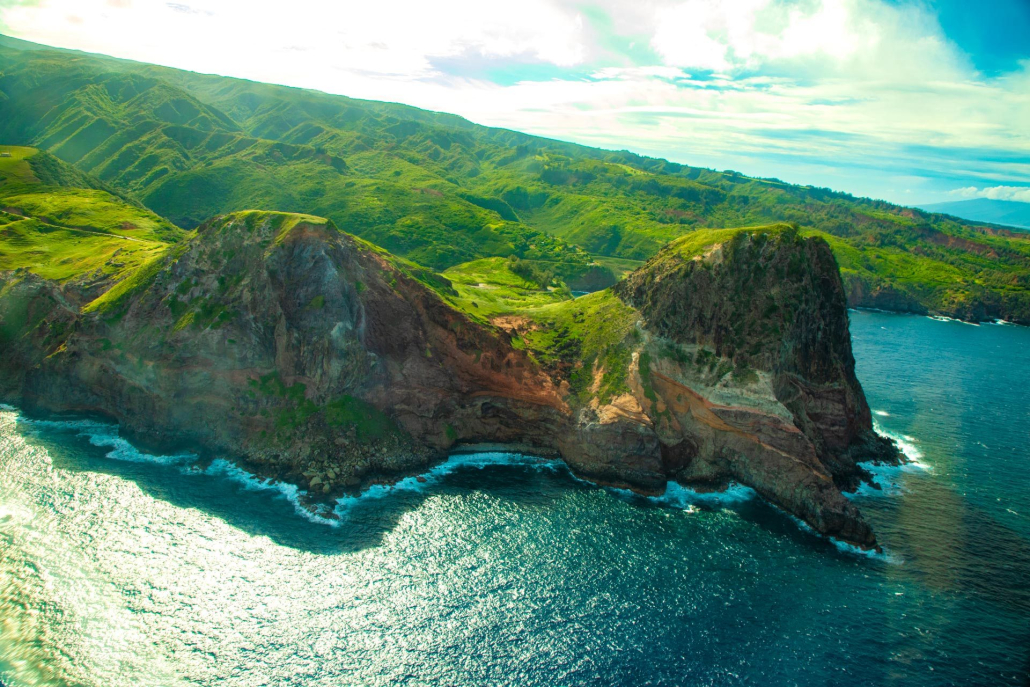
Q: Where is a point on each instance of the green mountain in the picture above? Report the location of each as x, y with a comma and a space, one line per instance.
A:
441, 191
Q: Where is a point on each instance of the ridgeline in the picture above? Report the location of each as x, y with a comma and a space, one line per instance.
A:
441, 191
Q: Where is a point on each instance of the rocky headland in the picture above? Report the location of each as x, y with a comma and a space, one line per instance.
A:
310, 355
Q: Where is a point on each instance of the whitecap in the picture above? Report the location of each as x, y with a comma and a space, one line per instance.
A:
123, 450
881, 413
291, 492
851, 549
908, 447
684, 498
105, 435
840, 545
680, 496
435, 474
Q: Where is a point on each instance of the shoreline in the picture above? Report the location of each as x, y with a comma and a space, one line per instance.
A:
331, 511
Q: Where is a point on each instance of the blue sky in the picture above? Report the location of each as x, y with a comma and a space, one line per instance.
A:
913, 101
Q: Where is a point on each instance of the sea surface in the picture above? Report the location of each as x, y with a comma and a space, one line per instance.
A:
124, 569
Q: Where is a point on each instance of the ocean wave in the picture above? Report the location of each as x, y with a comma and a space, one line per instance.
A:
843, 546
435, 474
881, 413
105, 435
123, 450
907, 445
684, 498
291, 492
886, 480
945, 318
679, 496
852, 550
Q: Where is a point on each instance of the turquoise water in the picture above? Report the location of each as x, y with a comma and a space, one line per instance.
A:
118, 568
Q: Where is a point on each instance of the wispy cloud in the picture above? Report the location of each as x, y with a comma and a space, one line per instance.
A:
868, 96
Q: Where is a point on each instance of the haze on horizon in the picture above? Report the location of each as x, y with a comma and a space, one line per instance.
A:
912, 101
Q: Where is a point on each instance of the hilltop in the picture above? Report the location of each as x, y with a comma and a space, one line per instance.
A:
441, 191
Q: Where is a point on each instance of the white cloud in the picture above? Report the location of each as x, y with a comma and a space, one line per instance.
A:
1017, 193
715, 35
248, 37
819, 86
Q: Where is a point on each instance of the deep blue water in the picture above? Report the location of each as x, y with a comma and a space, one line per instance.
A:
118, 568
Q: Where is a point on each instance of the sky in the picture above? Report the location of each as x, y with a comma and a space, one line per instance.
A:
912, 101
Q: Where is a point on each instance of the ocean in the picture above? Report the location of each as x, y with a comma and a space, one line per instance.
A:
122, 568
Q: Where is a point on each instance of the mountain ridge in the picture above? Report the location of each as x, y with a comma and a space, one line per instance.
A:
443, 191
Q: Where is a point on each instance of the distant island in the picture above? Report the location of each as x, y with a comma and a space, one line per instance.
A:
1003, 212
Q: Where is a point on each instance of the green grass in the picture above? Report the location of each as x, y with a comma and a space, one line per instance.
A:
24, 192
575, 336
134, 281
67, 254
488, 287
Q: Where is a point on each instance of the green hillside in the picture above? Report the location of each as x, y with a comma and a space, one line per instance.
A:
59, 223
442, 191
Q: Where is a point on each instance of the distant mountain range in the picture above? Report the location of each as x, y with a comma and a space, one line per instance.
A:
1008, 212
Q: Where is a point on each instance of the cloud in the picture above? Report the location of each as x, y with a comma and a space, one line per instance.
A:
1016, 193
721, 36
857, 93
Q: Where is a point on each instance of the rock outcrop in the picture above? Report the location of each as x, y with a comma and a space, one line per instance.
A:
313, 356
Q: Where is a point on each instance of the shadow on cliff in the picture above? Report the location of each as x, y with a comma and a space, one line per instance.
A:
265, 510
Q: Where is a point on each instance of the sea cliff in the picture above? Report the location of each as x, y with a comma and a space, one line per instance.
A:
313, 356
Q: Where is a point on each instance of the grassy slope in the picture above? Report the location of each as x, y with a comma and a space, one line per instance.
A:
66, 233
441, 191
489, 287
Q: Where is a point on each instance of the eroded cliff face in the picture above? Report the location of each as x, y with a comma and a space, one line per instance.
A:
317, 358
786, 415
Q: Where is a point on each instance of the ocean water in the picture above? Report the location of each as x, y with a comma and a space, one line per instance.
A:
120, 568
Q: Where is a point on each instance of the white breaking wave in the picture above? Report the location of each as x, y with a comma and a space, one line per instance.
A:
123, 450
105, 435
291, 492
887, 479
907, 445
881, 413
944, 318
843, 546
435, 474
679, 496
683, 498
882, 555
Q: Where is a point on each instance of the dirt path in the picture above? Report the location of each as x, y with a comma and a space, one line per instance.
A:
16, 213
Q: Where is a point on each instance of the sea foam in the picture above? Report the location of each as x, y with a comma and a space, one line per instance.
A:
435, 474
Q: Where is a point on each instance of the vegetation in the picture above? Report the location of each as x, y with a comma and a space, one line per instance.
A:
492, 286
585, 341
64, 254
35, 184
440, 191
